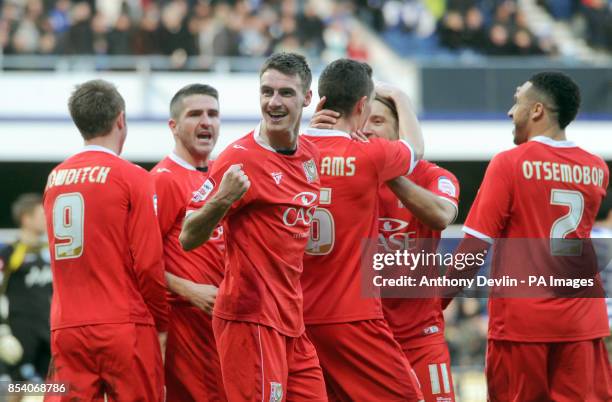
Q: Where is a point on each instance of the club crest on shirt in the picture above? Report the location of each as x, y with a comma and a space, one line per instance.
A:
446, 186
310, 169
276, 392
203, 192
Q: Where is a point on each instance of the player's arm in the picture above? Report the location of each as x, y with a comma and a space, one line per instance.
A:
200, 224
424, 205
170, 203
408, 123
200, 295
146, 248
487, 217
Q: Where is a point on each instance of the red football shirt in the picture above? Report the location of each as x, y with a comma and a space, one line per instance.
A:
541, 189
266, 232
351, 172
415, 322
175, 182
104, 240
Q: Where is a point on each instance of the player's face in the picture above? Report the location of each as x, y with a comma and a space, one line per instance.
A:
381, 122
35, 221
282, 99
197, 128
520, 112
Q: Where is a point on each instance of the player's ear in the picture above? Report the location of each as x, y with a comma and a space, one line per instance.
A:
537, 111
361, 104
121, 120
172, 124
308, 98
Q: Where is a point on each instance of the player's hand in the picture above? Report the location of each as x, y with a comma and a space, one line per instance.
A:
203, 296
324, 118
359, 135
384, 90
163, 339
11, 350
234, 184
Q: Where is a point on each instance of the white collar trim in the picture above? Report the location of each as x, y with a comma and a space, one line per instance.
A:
550, 142
262, 143
98, 148
180, 161
321, 132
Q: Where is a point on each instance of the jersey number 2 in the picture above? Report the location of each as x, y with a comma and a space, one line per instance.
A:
68, 219
566, 224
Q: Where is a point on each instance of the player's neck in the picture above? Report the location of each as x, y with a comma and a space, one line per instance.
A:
29, 238
279, 140
554, 133
346, 125
108, 141
195, 161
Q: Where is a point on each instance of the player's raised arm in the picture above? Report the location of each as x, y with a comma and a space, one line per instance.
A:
146, 249
199, 225
425, 205
409, 128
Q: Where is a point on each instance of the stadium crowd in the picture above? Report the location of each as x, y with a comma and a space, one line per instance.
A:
593, 19
487, 27
177, 28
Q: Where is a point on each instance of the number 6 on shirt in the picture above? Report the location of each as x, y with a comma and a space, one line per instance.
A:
68, 219
322, 228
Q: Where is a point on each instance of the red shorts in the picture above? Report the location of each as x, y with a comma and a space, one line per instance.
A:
192, 367
362, 361
432, 365
561, 371
260, 364
122, 361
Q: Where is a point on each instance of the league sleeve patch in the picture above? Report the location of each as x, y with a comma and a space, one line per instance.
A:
446, 186
203, 192
155, 203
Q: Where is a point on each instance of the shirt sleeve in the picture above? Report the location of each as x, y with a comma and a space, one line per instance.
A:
170, 201
392, 159
146, 248
491, 208
445, 185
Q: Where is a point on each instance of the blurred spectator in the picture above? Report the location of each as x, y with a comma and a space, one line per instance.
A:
146, 36
26, 284
466, 331
474, 35
598, 15
451, 30
80, 34
119, 38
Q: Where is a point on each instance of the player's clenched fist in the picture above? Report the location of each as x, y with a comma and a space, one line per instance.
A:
235, 183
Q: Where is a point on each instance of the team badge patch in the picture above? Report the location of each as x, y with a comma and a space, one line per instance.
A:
446, 186
310, 169
203, 192
276, 392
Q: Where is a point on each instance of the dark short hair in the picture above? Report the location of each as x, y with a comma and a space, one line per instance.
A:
289, 64
176, 104
343, 83
562, 92
25, 205
390, 105
94, 107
